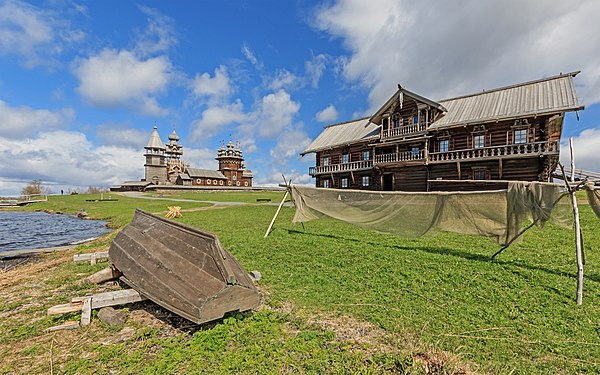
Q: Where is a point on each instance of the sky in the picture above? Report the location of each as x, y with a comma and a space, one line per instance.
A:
82, 83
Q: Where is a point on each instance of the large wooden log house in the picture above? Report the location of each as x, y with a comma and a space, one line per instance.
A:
416, 144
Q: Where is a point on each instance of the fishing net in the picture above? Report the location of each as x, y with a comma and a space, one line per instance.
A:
594, 200
499, 214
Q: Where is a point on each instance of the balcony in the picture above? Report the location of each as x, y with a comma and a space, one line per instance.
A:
404, 130
343, 167
507, 151
404, 156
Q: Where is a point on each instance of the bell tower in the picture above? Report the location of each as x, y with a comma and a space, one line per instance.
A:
155, 166
232, 166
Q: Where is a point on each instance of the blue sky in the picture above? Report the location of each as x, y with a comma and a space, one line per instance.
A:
82, 83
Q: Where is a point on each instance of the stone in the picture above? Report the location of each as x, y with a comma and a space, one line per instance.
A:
111, 316
255, 275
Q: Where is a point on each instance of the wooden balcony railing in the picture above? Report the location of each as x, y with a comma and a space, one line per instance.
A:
506, 151
404, 130
400, 156
342, 167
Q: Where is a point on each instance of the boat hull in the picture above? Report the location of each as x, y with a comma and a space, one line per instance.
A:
181, 268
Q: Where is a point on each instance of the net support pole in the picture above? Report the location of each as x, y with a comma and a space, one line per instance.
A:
578, 236
276, 213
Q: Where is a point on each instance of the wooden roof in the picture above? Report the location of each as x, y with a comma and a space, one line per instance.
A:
540, 97
544, 96
344, 133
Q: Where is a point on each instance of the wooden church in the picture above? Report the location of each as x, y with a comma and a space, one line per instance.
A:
413, 143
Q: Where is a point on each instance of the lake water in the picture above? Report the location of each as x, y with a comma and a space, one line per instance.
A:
33, 230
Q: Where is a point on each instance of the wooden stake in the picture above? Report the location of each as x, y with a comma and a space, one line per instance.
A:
578, 236
276, 213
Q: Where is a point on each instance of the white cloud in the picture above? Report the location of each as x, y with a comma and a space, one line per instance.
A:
328, 114
585, 149
215, 118
315, 68
216, 87
119, 79
68, 158
276, 112
36, 35
121, 135
283, 80
159, 35
289, 144
20, 122
441, 50
251, 56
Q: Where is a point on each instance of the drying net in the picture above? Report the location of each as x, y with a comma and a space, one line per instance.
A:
594, 200
499, 214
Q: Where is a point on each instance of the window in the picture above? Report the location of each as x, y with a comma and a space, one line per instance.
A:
199, 181
396, 122
207, 181
415, 119
326, 184
444, 145
234, 177
345, 182
325, 160
521, 136
415, 151
479, 174
245, 183
214, 182
237, 183
366, 155
221, 182
479, 141
365, 181
345, 157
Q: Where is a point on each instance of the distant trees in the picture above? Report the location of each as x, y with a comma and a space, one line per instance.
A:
96, 190
35, 187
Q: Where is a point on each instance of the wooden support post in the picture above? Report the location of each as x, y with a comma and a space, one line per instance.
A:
578, 235
500, 169
458, 169
276, 213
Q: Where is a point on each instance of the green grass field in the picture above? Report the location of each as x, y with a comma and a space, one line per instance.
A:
435, 304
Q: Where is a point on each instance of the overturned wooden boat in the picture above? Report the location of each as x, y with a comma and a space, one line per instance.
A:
181, 268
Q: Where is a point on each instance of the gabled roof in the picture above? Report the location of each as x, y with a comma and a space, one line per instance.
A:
376, 118
345, 133
544, 96
136, 183
205, 173
155, 141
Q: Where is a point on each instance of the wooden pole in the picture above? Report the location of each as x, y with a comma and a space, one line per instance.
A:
276, 213
578, 236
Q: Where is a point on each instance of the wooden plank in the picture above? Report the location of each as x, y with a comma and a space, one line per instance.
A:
65, 308
90, 256
86, 311
119, 297
71, 324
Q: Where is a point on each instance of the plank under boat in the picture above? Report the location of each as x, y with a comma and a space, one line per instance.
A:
183, 269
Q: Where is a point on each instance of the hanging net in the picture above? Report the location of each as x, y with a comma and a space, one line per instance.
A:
499, 214
593, 196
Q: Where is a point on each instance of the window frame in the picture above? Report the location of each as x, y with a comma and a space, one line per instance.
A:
444, 142
345, 158
325, 161
344, 182
326, 184
476, 144
367, 153
520, 132
367, 180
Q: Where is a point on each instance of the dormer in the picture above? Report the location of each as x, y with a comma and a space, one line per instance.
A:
406, 114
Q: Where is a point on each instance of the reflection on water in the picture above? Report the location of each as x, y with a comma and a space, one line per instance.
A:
31, 230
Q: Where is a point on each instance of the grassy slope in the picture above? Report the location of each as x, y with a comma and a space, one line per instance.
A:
517, 313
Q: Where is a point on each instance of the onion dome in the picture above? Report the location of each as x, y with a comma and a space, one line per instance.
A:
173, 137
